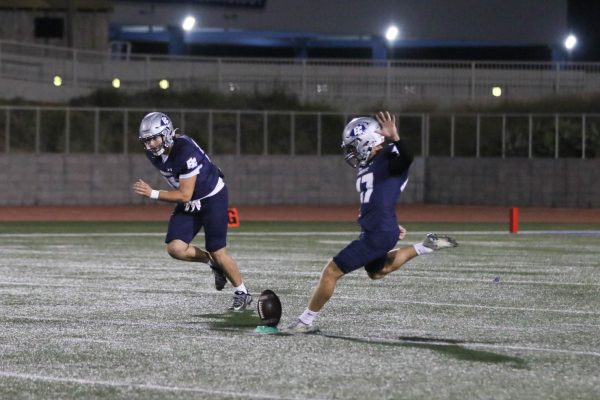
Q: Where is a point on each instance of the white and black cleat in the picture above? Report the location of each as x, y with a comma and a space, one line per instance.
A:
300, 327
438, 242
240, 301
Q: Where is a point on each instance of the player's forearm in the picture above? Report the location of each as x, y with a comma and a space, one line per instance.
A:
173, 196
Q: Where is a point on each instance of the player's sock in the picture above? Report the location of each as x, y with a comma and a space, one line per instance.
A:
308, 316
241, 288
420, 249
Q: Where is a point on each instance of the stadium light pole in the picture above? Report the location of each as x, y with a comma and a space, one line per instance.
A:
570, 43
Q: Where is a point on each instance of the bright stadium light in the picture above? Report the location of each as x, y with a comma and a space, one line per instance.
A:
497, 91
57, 81
163, 84
116, 83
392, 32
570, 42
188, 23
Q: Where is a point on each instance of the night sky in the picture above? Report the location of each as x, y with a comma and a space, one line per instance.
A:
584, 22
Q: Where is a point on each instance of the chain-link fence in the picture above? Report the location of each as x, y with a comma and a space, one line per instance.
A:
26, 129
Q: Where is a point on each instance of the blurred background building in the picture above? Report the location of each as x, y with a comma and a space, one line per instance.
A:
345, 28
349, 53
382, 29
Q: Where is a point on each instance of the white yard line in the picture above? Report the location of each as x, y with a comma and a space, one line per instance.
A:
503, 282
87, 321
405, 275
221, 338
562, 328
458, 305
114, 288
68, 235
146, 386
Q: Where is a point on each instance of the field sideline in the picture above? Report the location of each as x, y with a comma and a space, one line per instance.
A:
331, 213
98, 310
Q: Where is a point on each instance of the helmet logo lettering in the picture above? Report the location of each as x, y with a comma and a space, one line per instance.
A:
358, 130
360, 136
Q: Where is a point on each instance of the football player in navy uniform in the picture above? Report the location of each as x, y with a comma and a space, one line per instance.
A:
201, 197
381, 176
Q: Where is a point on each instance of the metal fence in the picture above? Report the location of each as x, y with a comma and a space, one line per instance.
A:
340, 81
67, 130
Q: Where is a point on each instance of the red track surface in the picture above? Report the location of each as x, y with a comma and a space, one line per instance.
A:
406, 213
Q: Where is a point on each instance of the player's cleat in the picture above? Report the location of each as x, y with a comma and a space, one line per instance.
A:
437, 242
240, 301
220, 278
300, 327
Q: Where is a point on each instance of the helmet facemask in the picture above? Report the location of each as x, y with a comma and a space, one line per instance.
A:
351, 154
156, 151
154, 125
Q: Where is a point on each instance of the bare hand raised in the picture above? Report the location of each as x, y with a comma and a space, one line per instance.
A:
388, 125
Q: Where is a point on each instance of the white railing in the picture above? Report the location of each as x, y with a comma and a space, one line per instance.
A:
64, 130
357, 82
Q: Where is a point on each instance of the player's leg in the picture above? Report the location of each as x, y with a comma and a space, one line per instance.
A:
324, 290
187, 252
241, 296
228, 265
380, 245
356, 254
398, 257
320, 296
215, 218
181, 231
183, 227
183, 251
394, 260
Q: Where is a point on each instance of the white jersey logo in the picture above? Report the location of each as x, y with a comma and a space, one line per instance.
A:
192, 163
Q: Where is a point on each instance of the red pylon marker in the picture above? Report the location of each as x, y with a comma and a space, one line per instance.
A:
514, 220
234, 218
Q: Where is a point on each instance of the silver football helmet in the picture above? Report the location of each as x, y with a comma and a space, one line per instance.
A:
359, 138
153, 125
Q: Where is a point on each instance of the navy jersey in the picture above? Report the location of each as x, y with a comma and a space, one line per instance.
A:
185, 160
379, 190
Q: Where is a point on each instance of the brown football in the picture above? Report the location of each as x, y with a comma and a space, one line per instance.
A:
269, 308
